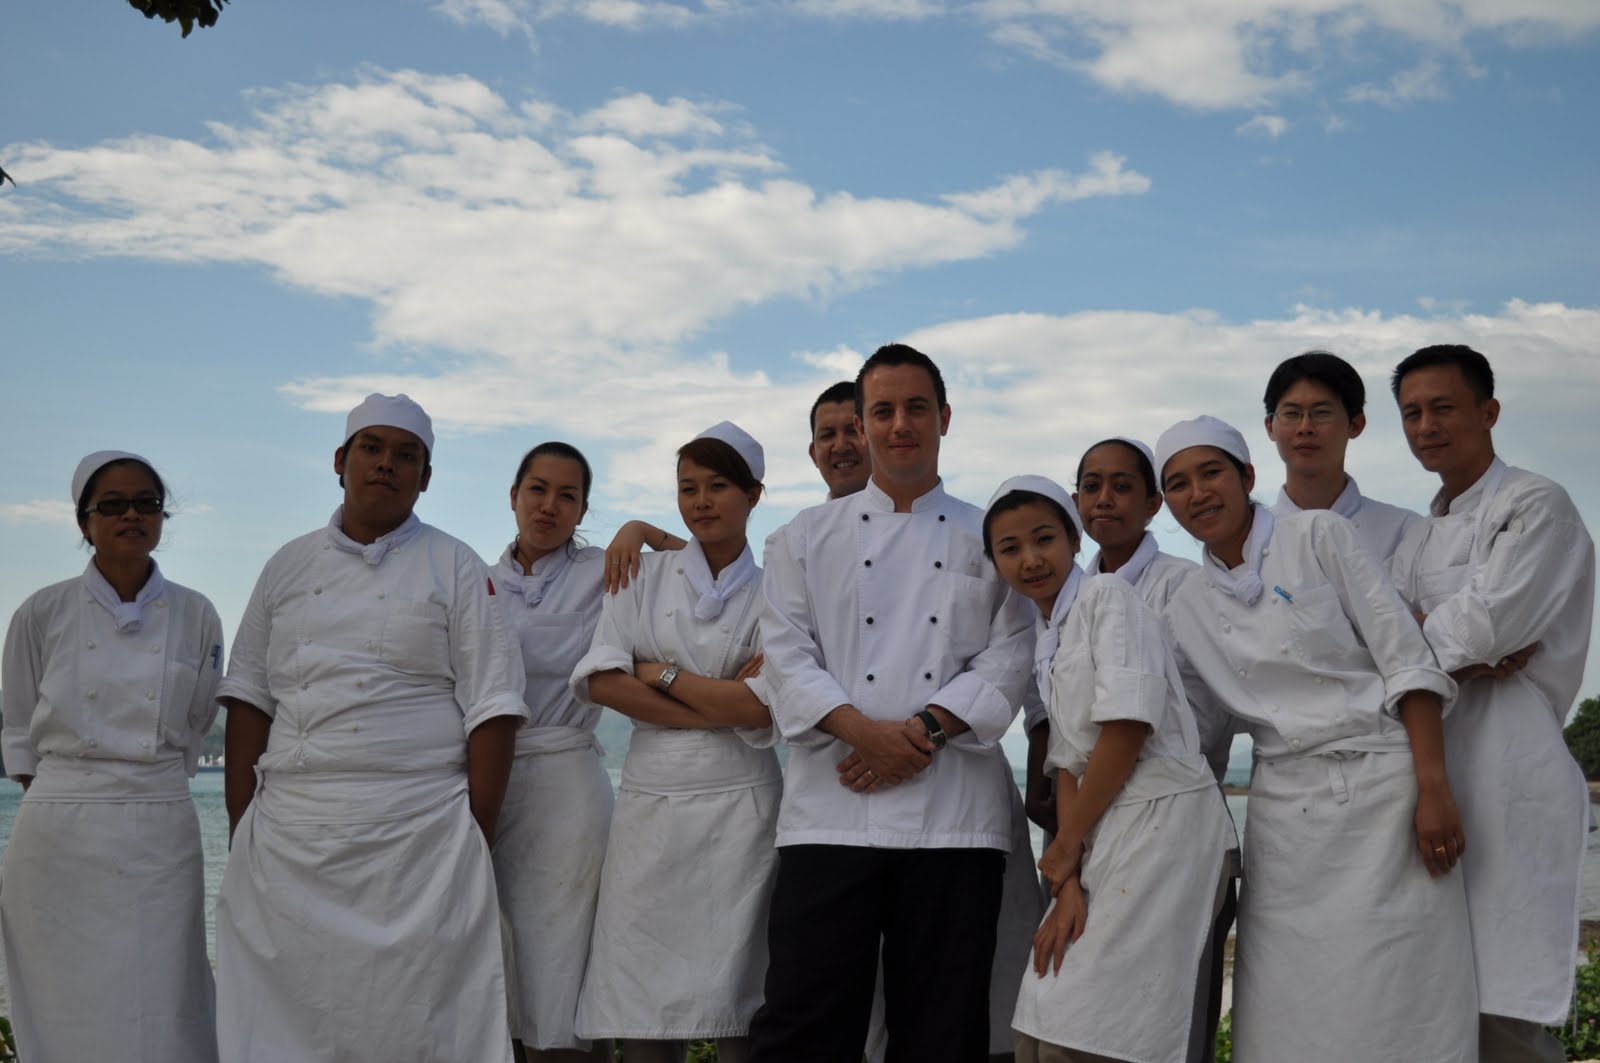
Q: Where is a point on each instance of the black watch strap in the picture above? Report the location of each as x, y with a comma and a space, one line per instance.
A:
936, 733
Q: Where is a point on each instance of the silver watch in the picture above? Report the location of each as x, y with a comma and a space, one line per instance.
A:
667, 676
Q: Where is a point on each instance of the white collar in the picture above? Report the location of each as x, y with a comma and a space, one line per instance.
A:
126, 615
372, 553
1134, 568
1347, 505
876, 498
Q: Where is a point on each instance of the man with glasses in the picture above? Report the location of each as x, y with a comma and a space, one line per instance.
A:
1315, 403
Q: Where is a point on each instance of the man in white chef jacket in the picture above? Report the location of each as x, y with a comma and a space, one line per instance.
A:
1316, 404
1503, 564
373, 697
888, 635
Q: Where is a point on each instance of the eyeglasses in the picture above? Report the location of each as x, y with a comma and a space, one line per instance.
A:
1292, 415
116, 507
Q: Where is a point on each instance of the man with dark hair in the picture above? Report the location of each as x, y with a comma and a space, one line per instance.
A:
836, 446
1503, 568
895, 659
1315, 406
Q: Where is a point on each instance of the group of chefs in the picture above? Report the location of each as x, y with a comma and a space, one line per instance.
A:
427, 862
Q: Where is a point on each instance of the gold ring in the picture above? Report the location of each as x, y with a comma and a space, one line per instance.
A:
1439, 849
871, 774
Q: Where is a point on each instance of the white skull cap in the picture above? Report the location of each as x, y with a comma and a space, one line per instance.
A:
1040, 485
743, 443
94, 463
1203, 431
390, 411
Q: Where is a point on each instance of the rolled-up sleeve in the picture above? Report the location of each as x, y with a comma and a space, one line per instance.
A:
1130, 659
616, 637
248, 679
488, 669
986, 694
800, 688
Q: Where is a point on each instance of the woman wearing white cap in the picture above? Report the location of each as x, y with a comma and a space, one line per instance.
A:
1140, 854
680, 939
551, 837
1353, 939
109, 682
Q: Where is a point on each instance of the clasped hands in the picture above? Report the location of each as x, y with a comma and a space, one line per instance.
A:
884, 753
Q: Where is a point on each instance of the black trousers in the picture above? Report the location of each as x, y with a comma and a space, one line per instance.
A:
932, 910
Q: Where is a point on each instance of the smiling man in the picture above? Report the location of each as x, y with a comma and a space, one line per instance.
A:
895, 660
836, 448
1503, 563
1316, 405
373, 698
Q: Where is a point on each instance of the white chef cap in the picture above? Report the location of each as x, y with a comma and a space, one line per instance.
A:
1040, 485
1203, 431
94, 463
1137, 444
742, 443
390, 411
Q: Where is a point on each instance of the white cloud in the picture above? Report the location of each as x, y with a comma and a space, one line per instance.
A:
502, 16
884, 10
1024, 194
1421, 82
639, 116
1267, 125
842, 361
38, 511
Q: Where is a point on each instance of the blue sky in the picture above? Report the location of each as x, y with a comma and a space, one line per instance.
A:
616, 222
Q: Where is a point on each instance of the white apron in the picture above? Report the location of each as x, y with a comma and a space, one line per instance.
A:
379, 885
103, 908
1338, 916
1525, 811
550, 843
1150, 870
680, 938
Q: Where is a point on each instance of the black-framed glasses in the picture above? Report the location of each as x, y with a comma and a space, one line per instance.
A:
116, 507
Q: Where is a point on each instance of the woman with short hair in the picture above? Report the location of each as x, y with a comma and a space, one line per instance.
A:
109, 682
680, 938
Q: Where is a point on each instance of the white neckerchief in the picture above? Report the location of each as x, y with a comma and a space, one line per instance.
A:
1047, 633
1134, 567
126, 615
714, 592
530, 586
1244, 582
1347, 505
372, 553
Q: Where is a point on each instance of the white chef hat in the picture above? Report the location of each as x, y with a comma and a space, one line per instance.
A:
390, 411
94, 463
1137, 444
1040, 485
1202, 431
743, 444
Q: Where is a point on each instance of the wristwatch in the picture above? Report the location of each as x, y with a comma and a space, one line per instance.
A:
667, 676
936, 733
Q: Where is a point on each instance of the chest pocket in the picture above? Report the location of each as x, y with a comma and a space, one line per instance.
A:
180, 716
1319, 627
1435, 586
553, 643
965, 616
416, 638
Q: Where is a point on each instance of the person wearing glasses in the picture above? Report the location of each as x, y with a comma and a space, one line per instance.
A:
1315, 406
373, 700
109, 681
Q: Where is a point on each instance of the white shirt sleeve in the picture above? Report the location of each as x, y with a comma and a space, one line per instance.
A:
801, 689
21, 671
203, 702
1537, 554
986, 695
1128, 649
488, 669
616, 638
1378, 614
1215, 725
247, 678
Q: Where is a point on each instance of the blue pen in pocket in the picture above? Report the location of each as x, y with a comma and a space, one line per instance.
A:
1285, 595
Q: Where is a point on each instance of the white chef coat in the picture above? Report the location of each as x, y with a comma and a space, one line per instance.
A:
1379, 526
359, 896
547, 862
891, 612
1153, 859
692, 832
103, 872
1315, 670
1508, 564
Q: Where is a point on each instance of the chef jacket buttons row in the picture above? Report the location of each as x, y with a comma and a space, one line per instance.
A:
867, 562
865, 517
869, 619
870, 677
938, 564
933, 620
941, 518
927, 675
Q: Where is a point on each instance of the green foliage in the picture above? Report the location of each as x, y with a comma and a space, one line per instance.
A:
702, 1052
1225, 1039
1583, 737
1581, 1035
186, 13
8, 1043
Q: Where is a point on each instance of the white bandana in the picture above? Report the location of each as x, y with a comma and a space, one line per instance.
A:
127, 615
1047, 633
1135, 566
372, 553
715, 592
530, 586
1244, 583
